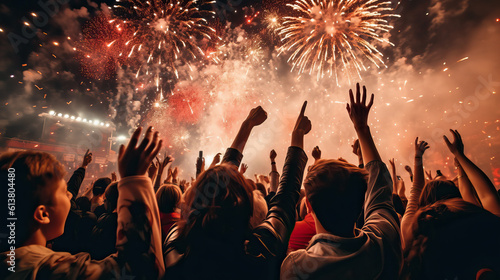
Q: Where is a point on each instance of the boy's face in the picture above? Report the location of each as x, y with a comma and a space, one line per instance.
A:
58, 210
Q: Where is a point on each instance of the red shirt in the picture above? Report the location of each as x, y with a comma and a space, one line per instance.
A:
302, 233
168, 220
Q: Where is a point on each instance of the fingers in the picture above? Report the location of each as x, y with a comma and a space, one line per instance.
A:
86, 153
303, 110
447, 141
134, 139
152, 145
121, 151
351, 97
357, 93
147, 139
157, 149
364, 96
371, 102
416, 141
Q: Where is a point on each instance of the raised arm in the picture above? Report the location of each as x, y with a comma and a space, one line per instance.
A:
316, 153
234, 154
76, 179
380, 218
465, 186
138, 239
274, 173
480, 181
356, 149
358, 112
270, 239
416, 190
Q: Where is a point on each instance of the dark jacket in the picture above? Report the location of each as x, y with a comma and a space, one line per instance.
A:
261, 252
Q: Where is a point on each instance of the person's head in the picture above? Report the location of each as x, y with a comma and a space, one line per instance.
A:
168, 197
436, 190
335, 190
218, 206
83, 203
100, 186
111, 197
42, 202
452, 239
260, 187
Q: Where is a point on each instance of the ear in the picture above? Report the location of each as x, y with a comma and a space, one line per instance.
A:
41, 215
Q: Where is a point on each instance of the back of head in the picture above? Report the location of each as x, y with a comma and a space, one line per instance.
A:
33, 180
335, 190
218, 207
436, 190
168, 197
100, 186
111, 197
452, 239
83, 203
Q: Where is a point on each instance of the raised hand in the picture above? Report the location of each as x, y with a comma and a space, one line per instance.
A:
457, 147
134, 160
357, 109
216, 160
420, 147
168, 159
273, 155
114, 178
316, 153
391, 162
302, 127
243, 168
87, 159
356, 149
256, 116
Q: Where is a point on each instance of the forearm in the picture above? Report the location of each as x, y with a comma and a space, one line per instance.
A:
75, 181
467, 190
139, 234
242, 137
482, 184
158, 181
411, 209
368, 148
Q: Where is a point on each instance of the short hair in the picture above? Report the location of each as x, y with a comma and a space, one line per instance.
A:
100, 186
436, 190
36, 174
83, 203
111, 195
336, 189
168, 197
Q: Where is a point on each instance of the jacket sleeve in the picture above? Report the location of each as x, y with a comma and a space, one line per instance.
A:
232, 156
138, 241
75, 181
270, 239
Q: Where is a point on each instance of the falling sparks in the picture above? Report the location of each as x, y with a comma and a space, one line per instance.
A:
463, 59
327, 35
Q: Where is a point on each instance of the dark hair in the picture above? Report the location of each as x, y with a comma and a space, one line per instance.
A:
100, 186
168, 197
36, 176
111, 196
436, 190
260, 187
336, 189
218, 206
83, 203
452, 239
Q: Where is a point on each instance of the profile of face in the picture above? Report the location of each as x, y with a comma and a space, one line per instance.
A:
57, 211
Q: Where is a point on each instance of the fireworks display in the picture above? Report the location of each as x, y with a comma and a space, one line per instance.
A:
165, 32
328, 35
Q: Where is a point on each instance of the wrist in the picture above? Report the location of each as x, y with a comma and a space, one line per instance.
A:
362, 128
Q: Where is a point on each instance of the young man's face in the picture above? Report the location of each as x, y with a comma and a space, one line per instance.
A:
58, 210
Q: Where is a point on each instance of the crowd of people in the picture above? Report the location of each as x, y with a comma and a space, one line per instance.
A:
340, 221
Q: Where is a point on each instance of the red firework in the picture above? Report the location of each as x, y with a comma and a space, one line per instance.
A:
187, 103
100, 49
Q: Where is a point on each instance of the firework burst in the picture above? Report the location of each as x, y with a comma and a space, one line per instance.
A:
324, 37
166, 33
